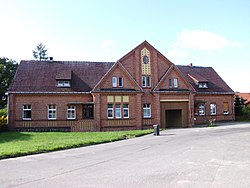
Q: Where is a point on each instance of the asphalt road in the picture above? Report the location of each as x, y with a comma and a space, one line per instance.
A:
193, 157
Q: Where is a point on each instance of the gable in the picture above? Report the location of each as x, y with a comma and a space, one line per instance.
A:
167, 81
117, 71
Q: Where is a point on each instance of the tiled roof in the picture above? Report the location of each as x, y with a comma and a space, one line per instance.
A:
214, 82
40, 76
245, 96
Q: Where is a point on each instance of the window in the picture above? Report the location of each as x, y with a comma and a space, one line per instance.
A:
146, 110
52, 112
201, 109
170, 83
114, 81
125, 111
120, 82
226, 108
175, 83
202, 85
26, 112
110, 112
88, 111
71, 112
146, 81
213, 109
63, 83
118, 111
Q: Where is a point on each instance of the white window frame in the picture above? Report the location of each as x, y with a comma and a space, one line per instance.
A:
125, 109
202, 85
170, 83
175, 83
71, 112
114, 81
146, 81
213, 109
226, 112
120, 81
147, 110
118, 111
63, 83
110, 109
52, 110
202, 111
26, 107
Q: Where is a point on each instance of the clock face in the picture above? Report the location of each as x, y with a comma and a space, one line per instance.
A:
145, 59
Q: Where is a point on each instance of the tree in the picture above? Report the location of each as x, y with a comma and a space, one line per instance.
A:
8, 69
238, 105
40, 52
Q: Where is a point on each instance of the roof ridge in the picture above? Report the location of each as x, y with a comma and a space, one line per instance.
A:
67, 61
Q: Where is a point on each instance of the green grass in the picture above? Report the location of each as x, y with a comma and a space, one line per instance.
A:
13, 144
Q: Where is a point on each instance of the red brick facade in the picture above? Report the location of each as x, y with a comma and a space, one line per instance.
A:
141, 89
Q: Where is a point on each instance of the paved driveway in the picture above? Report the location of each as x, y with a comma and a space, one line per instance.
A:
195, 157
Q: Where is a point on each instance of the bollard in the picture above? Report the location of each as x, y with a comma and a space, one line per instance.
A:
156, 130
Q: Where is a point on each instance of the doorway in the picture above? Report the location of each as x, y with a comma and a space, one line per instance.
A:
173, 118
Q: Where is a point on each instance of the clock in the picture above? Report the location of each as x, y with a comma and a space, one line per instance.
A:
145, 59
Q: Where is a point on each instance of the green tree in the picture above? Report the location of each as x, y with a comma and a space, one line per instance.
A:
40, 52
238, 105
7, 72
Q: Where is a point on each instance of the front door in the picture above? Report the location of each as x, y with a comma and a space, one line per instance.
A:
173, 118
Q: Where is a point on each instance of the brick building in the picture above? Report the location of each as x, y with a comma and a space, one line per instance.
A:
140, 89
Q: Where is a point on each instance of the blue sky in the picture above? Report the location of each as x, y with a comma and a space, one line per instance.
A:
212, 33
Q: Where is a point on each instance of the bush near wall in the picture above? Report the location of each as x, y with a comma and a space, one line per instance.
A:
3, 119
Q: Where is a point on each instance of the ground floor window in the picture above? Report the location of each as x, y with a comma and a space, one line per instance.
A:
88, 111
146, 110
226, 108
110, 111
52, 112
71, 112
201, 109
125, 111
118, 114
26, 112
213, 109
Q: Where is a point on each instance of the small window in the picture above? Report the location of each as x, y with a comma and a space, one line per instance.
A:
110, 112
201, 109
114, 81
63, 83
175, 83
120, 82
88, 111
71, 112
226, 108
202, 85
170, 83
146, 81
146, 110
52, 112
118, 114
125, 111
26, 112
213, 109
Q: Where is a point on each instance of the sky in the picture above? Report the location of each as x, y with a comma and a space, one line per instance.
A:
210, 33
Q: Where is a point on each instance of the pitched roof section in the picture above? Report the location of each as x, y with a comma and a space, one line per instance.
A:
36, 76
214, 81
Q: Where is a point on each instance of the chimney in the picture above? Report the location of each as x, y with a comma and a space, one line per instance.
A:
190, 64
50, 59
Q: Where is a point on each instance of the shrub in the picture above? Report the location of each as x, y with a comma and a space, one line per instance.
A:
3, 112
3, 119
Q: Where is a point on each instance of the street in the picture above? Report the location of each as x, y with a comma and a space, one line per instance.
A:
191, 157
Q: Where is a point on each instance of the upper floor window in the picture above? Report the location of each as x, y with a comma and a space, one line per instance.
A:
26, 112
71, 112
201, 109
63, 83
173, 83
88, 111
202, 85
52, 112
146, 110
213, 109
117, 81
146, 81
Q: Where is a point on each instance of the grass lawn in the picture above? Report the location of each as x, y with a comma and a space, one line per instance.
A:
13, 144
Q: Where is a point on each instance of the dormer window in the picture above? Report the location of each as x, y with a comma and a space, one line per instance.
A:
202, 85
117, 81
63, 83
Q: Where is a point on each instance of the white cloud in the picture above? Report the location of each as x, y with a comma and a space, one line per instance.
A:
175, 54
202, 40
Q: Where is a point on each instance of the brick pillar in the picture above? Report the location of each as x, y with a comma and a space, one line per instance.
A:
139, 115
97, 111
191, 110
11, 115
157, 104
